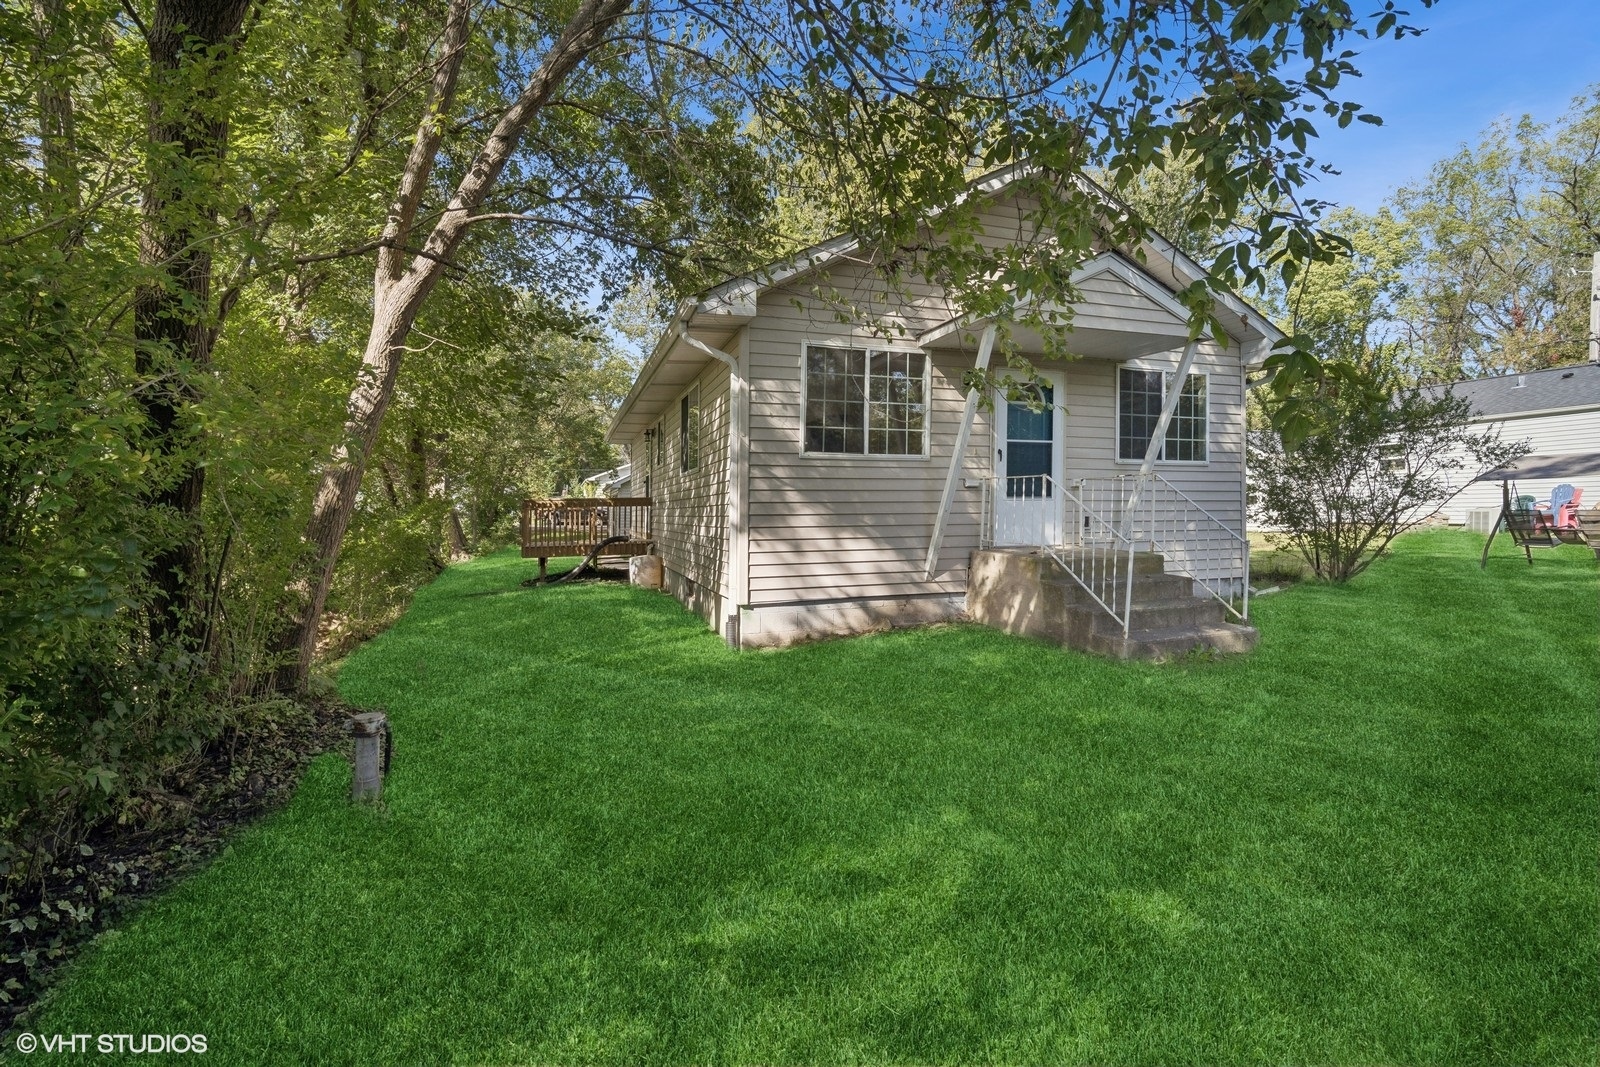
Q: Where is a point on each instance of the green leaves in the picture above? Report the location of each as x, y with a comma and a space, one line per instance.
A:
1503, 224
1360, 459
902, 137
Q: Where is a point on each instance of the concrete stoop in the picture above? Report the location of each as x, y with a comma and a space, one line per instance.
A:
1022, 592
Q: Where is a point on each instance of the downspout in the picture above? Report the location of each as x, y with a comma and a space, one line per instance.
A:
733, 541
1244, 468
985, 349
1169, 404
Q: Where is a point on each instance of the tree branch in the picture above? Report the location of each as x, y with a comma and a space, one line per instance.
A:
583, 34
430, 132
137, 21
570, 224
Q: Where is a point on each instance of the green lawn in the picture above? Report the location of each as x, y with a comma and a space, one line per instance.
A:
607, 838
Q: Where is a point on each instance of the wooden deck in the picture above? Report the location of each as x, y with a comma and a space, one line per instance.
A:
575, 526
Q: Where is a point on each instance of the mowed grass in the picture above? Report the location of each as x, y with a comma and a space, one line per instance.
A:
607, 838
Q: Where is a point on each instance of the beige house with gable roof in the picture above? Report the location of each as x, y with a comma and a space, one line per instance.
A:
805, 476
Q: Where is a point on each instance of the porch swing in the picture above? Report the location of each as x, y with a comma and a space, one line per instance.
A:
1521, 518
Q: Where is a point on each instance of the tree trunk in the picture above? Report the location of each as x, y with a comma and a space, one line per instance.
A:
455, 530
58, 147
334, 505
189, 48
401, 283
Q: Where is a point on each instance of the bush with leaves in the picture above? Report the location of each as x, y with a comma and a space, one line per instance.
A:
1381, 460
91, 709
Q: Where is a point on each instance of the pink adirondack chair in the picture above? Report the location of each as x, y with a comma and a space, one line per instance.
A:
1549, 513
1566, 515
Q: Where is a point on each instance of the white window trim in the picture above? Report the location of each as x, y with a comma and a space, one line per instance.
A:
871, 346
1116, 404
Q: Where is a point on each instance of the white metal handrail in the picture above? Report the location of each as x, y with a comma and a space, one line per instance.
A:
1067, 527
1192, 541
1206, 551
1099, 521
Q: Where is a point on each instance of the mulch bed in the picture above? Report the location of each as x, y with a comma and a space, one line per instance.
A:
589, 576
236, 780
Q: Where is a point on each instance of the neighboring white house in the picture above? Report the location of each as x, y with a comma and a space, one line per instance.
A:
1556, 410
798, 464
618, 481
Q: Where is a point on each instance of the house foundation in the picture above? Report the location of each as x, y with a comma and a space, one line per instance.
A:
778, 625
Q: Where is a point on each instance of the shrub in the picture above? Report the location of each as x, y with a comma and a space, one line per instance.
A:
1380, 461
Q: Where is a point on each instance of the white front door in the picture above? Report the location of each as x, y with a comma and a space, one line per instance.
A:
1028, 463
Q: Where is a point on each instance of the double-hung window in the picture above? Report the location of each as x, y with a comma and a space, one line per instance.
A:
1139, 394
865, 402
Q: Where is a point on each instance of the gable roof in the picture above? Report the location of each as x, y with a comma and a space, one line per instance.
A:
1167, 324
712, 316
1535, 392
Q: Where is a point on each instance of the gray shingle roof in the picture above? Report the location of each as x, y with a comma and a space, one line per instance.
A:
1541, 390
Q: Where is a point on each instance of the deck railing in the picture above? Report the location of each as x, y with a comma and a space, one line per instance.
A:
574, 526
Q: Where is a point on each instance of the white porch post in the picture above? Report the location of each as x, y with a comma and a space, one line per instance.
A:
1169, 404
985, 349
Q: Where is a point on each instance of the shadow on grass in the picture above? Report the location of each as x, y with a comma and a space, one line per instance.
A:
609, 838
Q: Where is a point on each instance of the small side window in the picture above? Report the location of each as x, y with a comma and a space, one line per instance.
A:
689, 430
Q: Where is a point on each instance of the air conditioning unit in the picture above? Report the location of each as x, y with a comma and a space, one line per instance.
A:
1482, 520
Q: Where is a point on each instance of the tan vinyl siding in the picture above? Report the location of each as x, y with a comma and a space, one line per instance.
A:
1090, 394
1109, 303
691, 507
641, 481
834, 527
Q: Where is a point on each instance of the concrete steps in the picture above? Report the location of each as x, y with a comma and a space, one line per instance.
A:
1173, 642
1022, 592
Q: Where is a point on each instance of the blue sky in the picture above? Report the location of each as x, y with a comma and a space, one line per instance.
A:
1478, 60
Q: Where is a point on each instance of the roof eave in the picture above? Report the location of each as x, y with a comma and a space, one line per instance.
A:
692, 314
734, 302
1533, 413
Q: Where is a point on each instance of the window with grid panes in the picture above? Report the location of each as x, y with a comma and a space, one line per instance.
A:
865, 402
1139, 409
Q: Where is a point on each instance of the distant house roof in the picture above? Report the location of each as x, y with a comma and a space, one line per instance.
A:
606, 481
1557, 389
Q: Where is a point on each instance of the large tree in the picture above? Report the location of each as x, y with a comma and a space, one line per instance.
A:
410, 264
895, 107
191, 45
1506, 225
